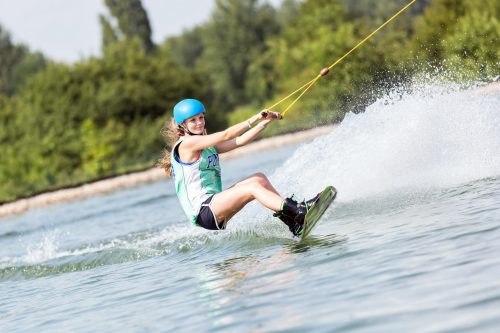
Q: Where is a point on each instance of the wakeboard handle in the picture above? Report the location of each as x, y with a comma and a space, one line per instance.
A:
266, 113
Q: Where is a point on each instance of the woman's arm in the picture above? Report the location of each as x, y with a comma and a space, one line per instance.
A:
196, 143
249, 135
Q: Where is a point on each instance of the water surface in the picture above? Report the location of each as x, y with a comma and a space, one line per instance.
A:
411, 243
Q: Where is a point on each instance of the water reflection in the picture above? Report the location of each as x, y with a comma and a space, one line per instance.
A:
256, 279
234, 271
246, 288
312, 242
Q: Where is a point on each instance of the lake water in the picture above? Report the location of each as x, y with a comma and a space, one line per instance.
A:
411, 244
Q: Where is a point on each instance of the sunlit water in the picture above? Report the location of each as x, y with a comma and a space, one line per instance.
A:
411, 244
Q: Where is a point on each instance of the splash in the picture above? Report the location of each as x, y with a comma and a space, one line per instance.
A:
424, 136
45, 257
428, 135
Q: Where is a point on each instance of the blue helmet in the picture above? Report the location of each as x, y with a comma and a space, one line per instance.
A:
186, 109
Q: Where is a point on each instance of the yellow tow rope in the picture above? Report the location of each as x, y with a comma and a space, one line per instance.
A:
326, 70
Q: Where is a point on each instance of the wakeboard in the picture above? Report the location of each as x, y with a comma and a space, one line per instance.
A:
317, 210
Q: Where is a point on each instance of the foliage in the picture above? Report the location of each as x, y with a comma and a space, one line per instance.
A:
319, 35
62, 125
132, 21
187, 48
85, 121
474, 46
438, 19
17, 63
109, 35
235, 35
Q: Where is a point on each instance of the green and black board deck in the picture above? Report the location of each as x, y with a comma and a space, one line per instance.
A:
318, 209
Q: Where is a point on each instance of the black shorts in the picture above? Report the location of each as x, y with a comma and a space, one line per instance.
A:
206, 218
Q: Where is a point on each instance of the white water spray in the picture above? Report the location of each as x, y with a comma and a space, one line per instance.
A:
432, 135
428, 136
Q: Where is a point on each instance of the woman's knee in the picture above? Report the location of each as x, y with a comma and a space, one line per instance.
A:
258, 185
260, 178
253, 183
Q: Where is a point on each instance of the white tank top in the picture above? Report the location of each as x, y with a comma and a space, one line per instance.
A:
195, 182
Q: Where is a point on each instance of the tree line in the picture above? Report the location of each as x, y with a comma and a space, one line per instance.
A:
67, 124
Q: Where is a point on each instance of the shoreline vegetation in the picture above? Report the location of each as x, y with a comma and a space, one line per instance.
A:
151, 175
114, 183
63, 125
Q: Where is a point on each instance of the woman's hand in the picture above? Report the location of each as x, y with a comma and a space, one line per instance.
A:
270, 115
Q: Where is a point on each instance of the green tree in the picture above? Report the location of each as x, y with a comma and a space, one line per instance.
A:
288, 10
108, 34
8, 56
437, 20
187, 49
377, 9
472, 49
17, 63
132, 21
235, 35
318, 36
73, 123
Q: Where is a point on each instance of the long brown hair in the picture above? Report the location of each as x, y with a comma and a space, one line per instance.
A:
171, 132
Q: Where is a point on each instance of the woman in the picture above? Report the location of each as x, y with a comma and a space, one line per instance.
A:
194, 164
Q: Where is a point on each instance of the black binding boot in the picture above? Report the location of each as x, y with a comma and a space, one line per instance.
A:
293, 213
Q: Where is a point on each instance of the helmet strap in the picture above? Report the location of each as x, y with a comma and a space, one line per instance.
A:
184, 128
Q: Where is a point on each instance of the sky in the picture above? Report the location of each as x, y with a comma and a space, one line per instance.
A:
69, 30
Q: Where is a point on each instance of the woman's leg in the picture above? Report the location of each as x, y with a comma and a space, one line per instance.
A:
258, 177
227, 203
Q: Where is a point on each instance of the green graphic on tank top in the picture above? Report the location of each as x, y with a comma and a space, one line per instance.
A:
196, 182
